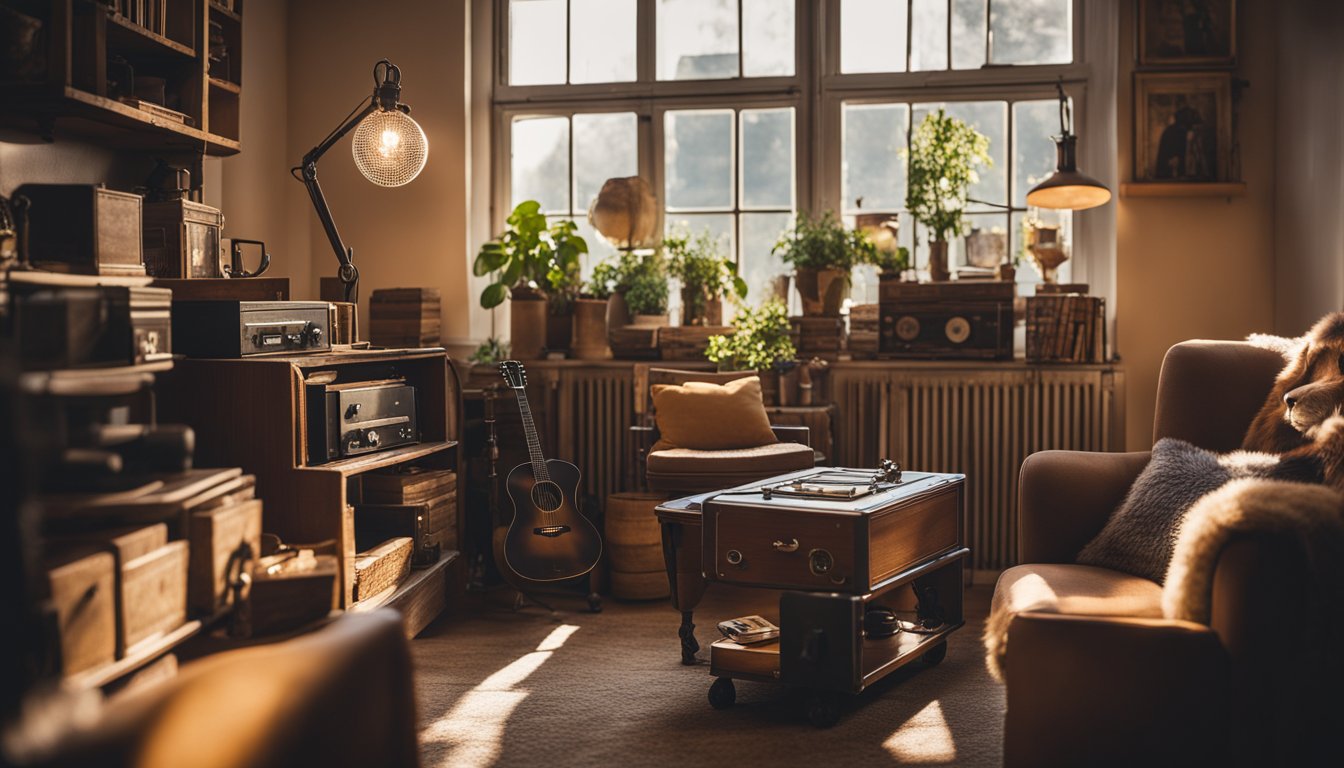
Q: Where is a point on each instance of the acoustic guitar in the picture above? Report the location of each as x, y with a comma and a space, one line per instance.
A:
548, 539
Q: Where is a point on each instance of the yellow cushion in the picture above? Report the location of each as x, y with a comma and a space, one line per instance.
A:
711, 417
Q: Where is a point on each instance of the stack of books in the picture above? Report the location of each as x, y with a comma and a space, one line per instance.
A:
863, 330
818, 336
404, 317
1066, 328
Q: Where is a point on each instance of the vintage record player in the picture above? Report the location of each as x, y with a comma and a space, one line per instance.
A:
950, 320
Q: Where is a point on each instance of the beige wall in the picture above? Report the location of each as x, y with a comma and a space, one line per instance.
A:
309, 63
1196, 267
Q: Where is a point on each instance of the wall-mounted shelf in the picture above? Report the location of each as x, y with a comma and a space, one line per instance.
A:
1182, 189
125, 35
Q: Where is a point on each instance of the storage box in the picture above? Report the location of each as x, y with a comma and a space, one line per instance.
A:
71, 327
407, 485
404, 317
427, 523
84, 228
224, 539
383, 567
182, 240
126, 545
290, 591
153, 592
83, 593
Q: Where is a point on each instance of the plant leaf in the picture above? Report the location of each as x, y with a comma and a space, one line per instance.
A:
493, 295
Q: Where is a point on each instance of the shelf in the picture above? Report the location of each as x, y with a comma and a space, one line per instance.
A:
225, 12
67, 110
225, 85
38, 277
359, 464
421, 598
136, 657
125, 35
1182, 189
92, 382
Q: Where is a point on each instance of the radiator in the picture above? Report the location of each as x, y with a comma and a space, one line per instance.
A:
982, 423
595, 408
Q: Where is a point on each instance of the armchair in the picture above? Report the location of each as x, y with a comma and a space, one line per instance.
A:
1095, 674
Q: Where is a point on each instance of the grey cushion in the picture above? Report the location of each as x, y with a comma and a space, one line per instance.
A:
1139, 536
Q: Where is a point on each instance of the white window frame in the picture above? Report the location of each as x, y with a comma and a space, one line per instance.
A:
817, 92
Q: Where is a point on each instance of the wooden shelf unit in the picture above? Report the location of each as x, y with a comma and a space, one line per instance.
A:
75, 98
256, 418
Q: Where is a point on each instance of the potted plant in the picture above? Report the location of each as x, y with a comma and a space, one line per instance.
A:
522, 260
590, 314
941, 165
491, 351
706, 277
563, 284
646, 293
761, 343
823, 253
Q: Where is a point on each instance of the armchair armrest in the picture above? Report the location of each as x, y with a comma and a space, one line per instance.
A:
1092, 690
789, 433
1065, 498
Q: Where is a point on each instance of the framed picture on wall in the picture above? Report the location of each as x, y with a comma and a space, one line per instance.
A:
1187, 32
1183, 126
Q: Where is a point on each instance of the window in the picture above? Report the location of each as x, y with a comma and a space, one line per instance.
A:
742, 112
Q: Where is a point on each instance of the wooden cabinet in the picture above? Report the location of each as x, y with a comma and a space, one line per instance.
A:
252, 412
162, 75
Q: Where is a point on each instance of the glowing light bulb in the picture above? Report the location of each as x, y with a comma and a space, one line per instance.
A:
390, 148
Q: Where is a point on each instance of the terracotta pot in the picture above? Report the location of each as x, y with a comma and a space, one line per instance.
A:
649, 321
698, 308
618, 312
559, 329
1007, 273
823, 291
590, 330
527, 320
938, 271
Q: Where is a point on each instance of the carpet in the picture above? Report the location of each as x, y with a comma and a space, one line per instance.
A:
528, 688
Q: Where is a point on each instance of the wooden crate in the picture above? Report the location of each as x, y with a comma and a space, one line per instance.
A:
289, 592
634, 342
83, 594
218, 537
382, 568
688, 342
404, 317
153, 589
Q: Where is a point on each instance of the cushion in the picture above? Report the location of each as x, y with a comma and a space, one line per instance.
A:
1076, 590
683, 470
704, 416
1139, 536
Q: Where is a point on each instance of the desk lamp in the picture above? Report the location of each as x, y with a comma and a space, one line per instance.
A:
389, 148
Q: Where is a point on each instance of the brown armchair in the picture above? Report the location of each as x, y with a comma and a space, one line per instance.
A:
1095, 674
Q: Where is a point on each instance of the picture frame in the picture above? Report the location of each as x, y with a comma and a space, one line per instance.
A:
1183, 127
1178, 33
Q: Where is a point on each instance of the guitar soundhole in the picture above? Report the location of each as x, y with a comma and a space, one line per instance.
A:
547, 496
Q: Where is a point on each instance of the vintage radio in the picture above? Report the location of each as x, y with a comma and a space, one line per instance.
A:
181, 239
830, 529
206, 328
85, 326
354, 418
84, 228
962, 320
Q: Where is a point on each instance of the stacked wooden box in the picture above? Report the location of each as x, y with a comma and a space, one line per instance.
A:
688, 342
1066, 328
404, 317
407, 518
820, 337
863, 330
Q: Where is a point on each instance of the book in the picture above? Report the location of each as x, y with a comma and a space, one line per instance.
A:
747, 630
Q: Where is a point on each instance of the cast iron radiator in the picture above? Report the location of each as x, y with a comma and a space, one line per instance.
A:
595, 408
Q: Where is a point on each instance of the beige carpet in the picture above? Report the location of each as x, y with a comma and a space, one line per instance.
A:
525, 688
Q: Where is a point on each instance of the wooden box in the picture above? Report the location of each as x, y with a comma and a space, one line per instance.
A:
126, 545
382, 568
289, 592
760, 539
404, 317
223, 539
688, 342
153, 594
182, 240
84, 228
634, 342
83, 594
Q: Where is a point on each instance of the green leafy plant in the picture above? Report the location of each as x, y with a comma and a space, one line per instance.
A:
824, 243
491, 351
703, 273
941, 165
641, 278
893, 261
530, 254
760, 342
647, 294
613, 276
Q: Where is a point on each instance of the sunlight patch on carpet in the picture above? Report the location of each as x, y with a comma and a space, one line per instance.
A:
924, 738
473, 729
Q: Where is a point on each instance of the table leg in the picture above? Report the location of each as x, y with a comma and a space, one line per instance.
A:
681, 555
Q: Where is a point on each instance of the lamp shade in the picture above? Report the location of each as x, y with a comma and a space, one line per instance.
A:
625, 212
390, 148
1066, 188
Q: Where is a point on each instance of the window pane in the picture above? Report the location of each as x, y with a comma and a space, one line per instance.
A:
873, 136
1034, 122
872, 35
767, 37
989, 118
536, 51
540, 162
928, 35
602, 41
699, 159
1031, 32
604, 148
767, 158
697, 39
760, 232
969, 33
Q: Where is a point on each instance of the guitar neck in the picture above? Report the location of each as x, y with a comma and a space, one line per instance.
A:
539, 471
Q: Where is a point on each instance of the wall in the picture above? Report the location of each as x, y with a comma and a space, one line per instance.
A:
1197, 267
1309, 199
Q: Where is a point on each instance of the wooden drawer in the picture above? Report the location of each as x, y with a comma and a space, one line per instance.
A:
82, 591
153, 594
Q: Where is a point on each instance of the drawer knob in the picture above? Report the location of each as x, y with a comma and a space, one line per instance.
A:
786, 546
733, 557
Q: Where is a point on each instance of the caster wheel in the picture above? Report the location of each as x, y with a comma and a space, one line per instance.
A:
594, 603
722, 694
935, 655
823, 709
